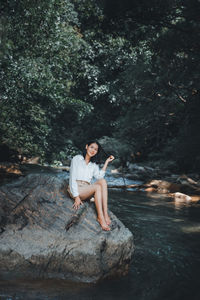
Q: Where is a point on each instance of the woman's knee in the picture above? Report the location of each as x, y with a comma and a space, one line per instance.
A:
102, 182
97, 188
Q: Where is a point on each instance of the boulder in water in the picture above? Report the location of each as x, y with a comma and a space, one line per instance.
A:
43, 237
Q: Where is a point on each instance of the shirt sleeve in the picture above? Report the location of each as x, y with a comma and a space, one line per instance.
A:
98, 174
73, 175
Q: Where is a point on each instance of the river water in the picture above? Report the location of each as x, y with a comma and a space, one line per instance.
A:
166, 262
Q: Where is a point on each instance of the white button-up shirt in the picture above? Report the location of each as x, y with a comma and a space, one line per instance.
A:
79, 170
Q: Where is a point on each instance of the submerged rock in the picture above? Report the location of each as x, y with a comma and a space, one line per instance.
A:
163, 186
182, 196
41, 236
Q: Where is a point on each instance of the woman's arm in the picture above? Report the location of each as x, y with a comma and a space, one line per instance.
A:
73, 184
108, 160
98, 174
72, 179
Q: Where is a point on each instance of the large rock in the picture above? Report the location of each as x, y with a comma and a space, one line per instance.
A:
43, 237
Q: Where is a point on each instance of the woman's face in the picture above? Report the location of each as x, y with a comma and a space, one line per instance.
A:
92, 149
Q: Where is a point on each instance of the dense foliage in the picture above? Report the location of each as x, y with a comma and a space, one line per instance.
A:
125, 72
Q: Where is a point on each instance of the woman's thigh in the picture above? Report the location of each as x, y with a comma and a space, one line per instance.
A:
86, 191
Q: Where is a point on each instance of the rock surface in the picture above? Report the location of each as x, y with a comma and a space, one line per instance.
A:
41, 236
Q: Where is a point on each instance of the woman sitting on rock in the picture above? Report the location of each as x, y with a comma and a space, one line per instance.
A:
83, 168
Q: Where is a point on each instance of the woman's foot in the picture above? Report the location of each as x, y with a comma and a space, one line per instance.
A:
103, 224
107, 219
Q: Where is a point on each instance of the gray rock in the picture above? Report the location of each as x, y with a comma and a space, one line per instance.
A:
42, 236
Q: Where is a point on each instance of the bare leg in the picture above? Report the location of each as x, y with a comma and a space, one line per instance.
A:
104, 189
95, 189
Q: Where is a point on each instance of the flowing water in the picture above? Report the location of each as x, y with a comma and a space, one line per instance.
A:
166, 262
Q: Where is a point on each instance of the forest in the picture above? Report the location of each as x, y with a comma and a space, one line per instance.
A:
123, 72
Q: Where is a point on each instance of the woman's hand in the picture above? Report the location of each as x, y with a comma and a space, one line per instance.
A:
77, 203
110, 158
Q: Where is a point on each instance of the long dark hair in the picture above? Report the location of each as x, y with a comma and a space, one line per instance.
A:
97, 158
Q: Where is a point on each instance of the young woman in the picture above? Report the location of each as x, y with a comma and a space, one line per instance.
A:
83, 168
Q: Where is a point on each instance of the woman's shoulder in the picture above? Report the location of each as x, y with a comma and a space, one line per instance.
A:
78, 157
